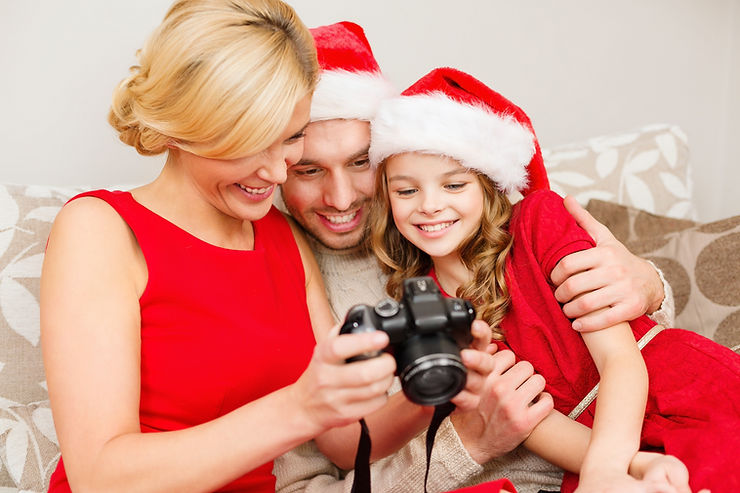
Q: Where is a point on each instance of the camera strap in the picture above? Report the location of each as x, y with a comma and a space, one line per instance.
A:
361, 483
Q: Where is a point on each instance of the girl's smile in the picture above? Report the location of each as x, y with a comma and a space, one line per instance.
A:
434, 230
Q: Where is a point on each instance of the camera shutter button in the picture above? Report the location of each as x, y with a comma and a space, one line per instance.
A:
387, 308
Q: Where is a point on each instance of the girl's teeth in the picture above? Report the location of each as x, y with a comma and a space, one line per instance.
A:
435, 227
255, 191
341, 219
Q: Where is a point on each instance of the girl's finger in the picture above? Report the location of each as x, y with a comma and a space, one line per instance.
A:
481, 333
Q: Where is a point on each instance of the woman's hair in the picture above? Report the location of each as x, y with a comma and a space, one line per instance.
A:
483, 252
218, 78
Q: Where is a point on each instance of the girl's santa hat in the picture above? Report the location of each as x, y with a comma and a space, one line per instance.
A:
451, 113
351, 85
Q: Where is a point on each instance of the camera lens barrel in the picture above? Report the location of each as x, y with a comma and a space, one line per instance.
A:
430, 369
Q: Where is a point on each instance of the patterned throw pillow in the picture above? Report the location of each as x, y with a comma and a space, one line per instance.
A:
647, 169
29, 450
26, 214
701, 262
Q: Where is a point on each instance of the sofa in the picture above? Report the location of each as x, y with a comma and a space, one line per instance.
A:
637, 182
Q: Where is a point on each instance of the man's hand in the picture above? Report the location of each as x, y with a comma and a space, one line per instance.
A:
605, 277
511, 403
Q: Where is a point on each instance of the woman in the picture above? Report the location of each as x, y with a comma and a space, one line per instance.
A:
185, 306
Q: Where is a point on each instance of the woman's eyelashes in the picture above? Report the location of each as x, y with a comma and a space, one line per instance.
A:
297, 137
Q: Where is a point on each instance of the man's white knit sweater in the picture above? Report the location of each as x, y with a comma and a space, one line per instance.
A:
352, 276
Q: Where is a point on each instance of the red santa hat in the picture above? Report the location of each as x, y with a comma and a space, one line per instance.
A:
351, 85
449, 112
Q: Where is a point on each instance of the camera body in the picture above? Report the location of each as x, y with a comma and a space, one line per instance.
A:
426, 332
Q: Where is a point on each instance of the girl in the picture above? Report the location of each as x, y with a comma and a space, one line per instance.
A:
448, 151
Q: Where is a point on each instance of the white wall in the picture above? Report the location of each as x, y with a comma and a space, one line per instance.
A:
578, 67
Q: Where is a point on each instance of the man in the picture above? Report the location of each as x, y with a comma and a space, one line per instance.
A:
328, 193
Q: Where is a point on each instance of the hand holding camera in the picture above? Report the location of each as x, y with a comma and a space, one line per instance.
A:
426, 333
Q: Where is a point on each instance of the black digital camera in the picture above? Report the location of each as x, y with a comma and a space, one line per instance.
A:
426, 332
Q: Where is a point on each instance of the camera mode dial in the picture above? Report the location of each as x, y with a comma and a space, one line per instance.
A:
387, 307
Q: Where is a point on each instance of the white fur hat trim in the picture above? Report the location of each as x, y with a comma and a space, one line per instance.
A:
494, 144
349, 95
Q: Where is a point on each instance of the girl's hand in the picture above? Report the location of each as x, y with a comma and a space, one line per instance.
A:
479, 364
656, 467
624, 483
650, 472
335, 393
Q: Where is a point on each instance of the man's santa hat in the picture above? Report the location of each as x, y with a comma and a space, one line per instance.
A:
351, 85
449, 112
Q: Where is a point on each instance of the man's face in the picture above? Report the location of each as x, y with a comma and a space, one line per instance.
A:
329, 190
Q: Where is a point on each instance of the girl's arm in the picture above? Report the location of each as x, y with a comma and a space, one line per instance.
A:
93, 276
392, 426
620, 408
620, 405
564, 442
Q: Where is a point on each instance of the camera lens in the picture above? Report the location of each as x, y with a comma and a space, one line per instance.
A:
431, 371
436, 381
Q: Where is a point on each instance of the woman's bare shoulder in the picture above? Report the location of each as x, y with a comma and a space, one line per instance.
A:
88, 234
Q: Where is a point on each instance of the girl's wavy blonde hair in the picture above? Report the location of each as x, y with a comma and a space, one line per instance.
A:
218, 78
483, 252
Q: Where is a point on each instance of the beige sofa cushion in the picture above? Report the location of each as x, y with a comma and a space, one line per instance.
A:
701, 262
28, 445
647, 168
26, 214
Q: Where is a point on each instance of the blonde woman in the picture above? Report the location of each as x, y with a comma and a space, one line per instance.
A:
177, 318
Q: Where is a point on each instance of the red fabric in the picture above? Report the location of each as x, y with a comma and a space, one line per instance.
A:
219, 327
343, 46
693, 408
489, 487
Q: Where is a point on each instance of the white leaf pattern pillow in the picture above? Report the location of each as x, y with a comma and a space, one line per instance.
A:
26, 214
647, 168
29, 450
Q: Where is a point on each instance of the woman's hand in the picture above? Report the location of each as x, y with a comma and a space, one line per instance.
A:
335, 393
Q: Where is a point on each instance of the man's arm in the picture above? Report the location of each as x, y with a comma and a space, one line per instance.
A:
608, 276
306, 469
503, 419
